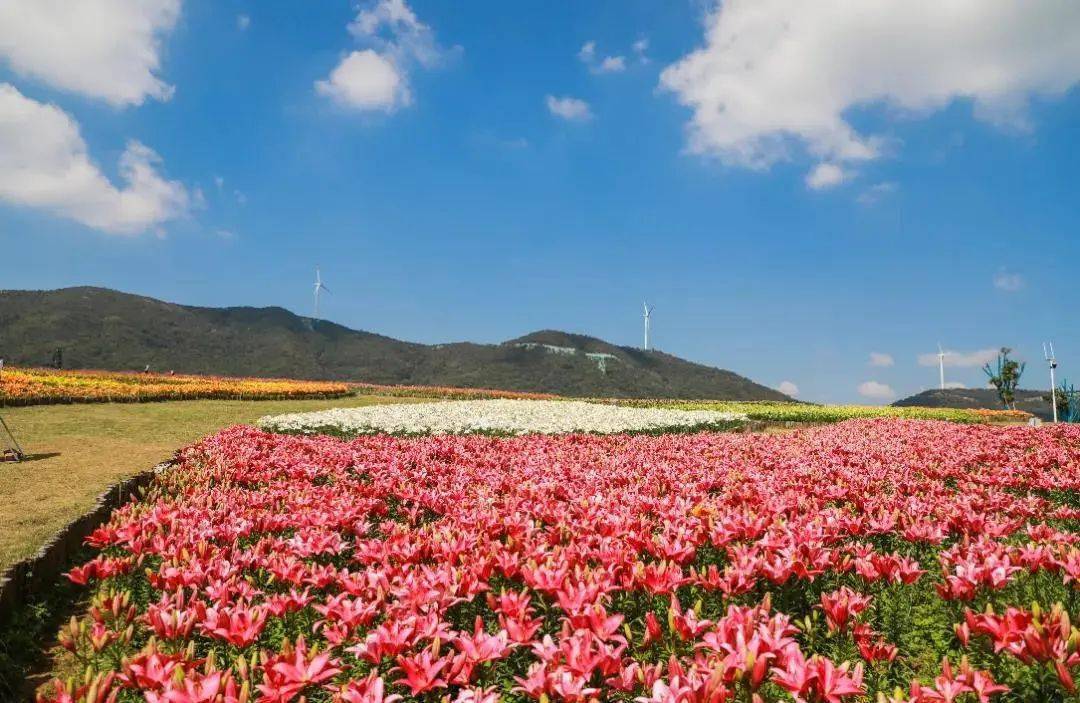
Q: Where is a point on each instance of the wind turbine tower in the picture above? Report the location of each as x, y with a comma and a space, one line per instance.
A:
648, 315
941, 365
319, 287
1052, 361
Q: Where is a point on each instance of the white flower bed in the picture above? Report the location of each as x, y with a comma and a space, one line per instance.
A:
497, 417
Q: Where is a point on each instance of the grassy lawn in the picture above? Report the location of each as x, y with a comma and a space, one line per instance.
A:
79, 450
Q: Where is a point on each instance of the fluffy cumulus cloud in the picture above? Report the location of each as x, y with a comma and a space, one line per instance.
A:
377, 77
1008, 282
876, 391
105, 49
824, 176
366, 80
568, 108
774, 75
788, 388
881, 359
46, 166
960, 359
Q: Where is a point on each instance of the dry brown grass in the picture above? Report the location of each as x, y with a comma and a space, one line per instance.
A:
79, 450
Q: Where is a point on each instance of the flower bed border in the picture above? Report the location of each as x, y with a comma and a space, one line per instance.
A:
34, 576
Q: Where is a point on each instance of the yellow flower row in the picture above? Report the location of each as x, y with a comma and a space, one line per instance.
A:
804, 412
32, 386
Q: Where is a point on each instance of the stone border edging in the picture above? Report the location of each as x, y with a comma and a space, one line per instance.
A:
34, 575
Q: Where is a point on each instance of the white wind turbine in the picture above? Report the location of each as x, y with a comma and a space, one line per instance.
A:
1052, 361
648, 315
319, 287
941, 364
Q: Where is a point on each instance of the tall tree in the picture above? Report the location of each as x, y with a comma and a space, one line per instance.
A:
1007, 377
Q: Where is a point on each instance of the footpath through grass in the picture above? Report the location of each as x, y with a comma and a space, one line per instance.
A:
79, 450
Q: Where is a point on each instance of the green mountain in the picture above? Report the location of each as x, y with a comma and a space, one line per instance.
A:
102, 328
1035, 402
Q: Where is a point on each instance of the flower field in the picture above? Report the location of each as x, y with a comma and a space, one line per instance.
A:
36, 386
767, 411
33, 386
870, 560
498, 417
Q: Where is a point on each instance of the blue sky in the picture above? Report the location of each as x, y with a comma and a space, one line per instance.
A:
475, 172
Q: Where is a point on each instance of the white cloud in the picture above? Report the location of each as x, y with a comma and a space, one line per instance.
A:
881, 359
366, 80
825, 175
960, 359
587, 53
243, 22
393, 15
778, 74
954, 385
612, 64
875, 390
609, 64
788, 388
876, 192
568, 108
1008, 282
46, 166
106, 49
392, 27
641, 46
377, 77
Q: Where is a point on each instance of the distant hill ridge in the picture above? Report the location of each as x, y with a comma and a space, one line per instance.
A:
1035, 402
108, 329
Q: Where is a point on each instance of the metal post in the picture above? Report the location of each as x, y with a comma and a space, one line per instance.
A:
1051, 359
19, 453
1053, 391
648, 315
941, 364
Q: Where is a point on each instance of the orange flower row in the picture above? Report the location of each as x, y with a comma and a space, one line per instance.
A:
34, 386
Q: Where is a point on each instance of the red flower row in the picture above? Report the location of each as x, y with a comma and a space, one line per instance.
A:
826, 565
